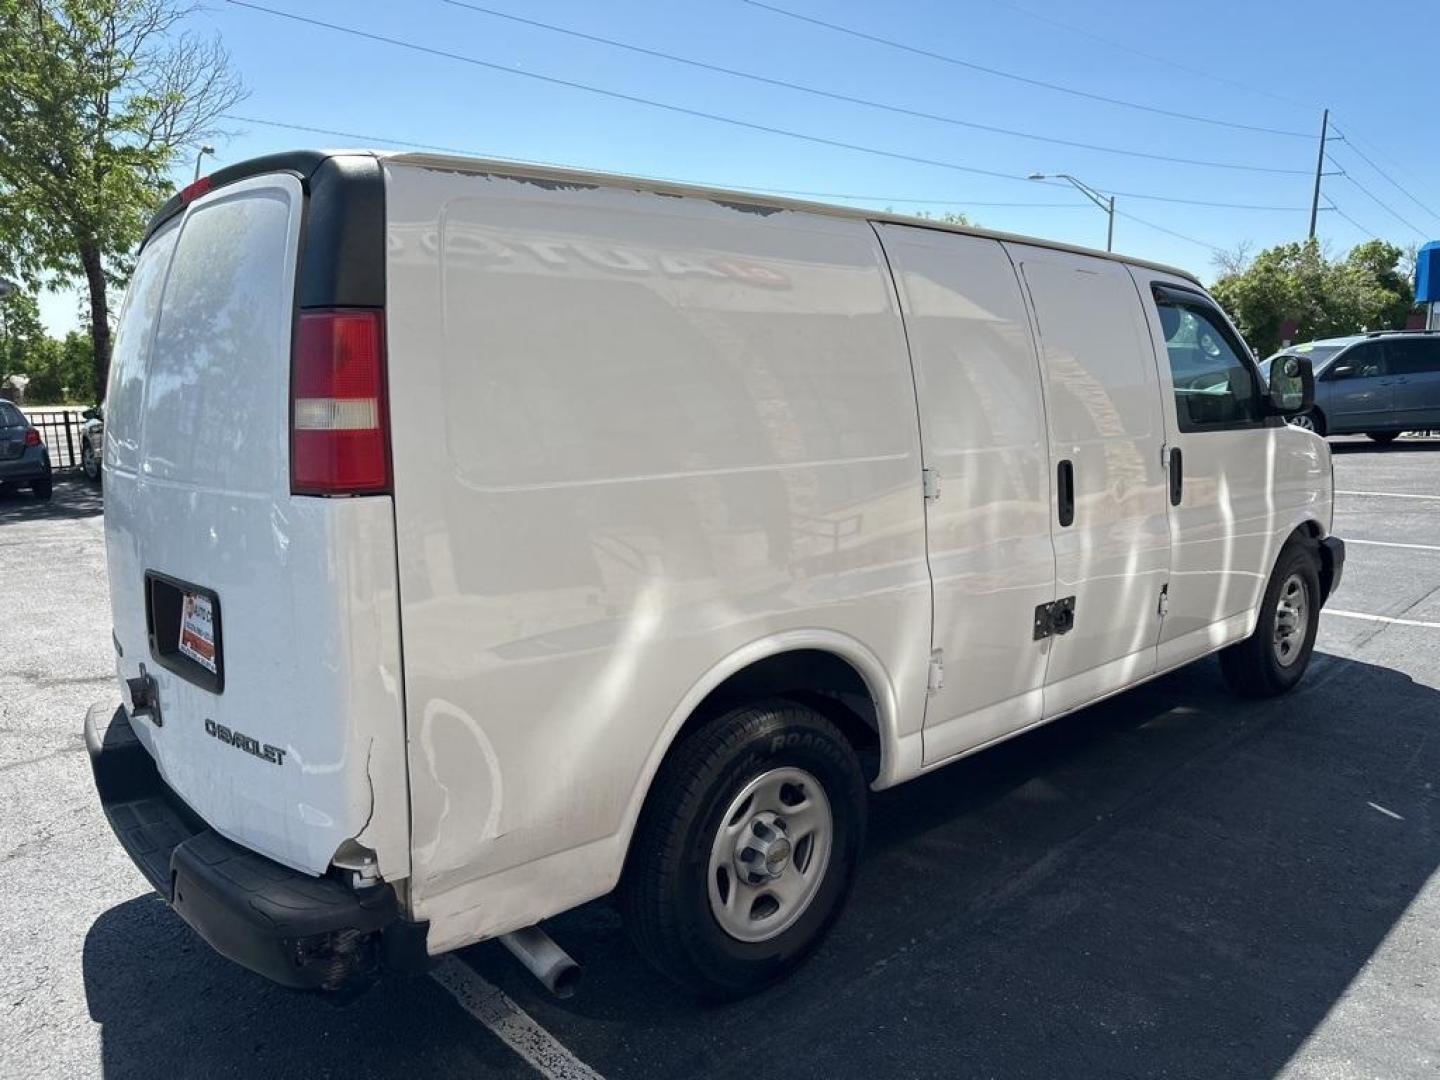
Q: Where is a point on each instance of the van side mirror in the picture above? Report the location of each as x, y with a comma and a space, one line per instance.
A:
1342, 371
1292, 386
91, 413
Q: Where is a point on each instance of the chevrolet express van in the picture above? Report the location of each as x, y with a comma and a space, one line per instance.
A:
485, 539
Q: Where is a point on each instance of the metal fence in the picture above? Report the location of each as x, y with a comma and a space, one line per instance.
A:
61, 430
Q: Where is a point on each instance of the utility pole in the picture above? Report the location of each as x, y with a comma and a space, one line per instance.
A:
1319, 170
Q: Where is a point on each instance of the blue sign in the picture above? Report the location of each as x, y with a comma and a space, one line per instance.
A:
1427, 274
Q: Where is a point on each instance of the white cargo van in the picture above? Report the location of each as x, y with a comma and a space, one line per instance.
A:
484, 539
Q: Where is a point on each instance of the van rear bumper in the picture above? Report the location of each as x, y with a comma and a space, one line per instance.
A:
300, 931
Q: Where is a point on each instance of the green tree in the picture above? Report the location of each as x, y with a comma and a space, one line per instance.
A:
43, 365
1367, 290
77, 367
948, 217
98, 100
20, 332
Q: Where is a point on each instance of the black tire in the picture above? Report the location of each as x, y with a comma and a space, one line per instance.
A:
1317, 422
42, 488
1253, 667
89, 463
1384, 438
665, 893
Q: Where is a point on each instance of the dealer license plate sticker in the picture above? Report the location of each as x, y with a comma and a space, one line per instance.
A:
197, 630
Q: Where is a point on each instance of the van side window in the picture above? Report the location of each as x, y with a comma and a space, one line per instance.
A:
1369, 360
1215, 385
1415, 356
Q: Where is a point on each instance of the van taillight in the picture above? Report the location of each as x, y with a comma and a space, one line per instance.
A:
32, 437
339, 431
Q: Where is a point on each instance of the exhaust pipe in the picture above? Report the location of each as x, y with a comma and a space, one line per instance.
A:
544, 959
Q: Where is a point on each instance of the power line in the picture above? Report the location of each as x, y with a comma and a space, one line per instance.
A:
1071, 28
1206, 202
867, 102
1167, 232
1351, 220
552, 80
1374, 149
1375, 198
1386, 176
363, 138
632, 98
1024, 78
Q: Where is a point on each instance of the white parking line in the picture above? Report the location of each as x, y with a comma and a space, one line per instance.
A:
1393, 544
510, 1023
1387, 813
1380, 618
1388, 495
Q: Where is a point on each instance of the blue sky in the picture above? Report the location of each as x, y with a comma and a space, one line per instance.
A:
1270, 65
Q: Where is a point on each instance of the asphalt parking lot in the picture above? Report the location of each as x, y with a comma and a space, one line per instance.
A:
1174, 883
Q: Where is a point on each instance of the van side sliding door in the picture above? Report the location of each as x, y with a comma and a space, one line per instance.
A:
1102, 408
988, 517
1416, 364
1219, 457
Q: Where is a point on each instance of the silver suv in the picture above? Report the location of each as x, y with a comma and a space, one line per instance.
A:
1381, 383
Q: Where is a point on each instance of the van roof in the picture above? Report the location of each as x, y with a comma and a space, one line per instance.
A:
738, 199
305, 162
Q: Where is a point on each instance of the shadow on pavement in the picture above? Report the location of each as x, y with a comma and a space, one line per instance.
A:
73, 497
1175, 882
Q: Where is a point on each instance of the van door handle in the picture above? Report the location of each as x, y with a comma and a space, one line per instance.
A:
1177, 476
1065, 492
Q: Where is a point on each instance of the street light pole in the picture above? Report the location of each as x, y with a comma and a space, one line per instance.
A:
203, 151
1104, 202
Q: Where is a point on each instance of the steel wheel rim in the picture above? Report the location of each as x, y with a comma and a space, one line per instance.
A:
761, 880
1292, 620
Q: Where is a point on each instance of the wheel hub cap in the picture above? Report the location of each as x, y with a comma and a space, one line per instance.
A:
770, 854
1292, 620
763, 851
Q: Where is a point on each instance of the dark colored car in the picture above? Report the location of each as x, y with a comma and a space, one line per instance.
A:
92, 441
24, 457
1380, 384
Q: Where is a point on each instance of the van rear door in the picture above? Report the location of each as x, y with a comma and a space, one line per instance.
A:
267, 621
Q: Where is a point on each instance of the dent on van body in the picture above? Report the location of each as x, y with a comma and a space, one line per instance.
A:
633, 438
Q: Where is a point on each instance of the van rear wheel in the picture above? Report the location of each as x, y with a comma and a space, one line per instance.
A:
1272, 659
746, 848
1384, 438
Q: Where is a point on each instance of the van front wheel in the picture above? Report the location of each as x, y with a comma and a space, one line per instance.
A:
746, 848
1272, 659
